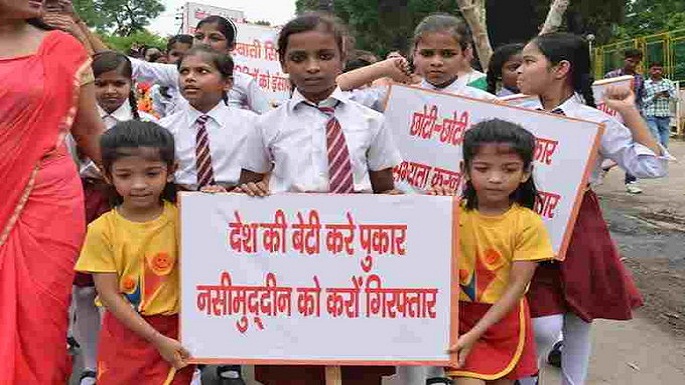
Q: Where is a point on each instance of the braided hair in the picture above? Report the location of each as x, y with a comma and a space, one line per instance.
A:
499, 57
114, 61
560, 46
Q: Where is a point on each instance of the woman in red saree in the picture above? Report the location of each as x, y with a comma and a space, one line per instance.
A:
45, 92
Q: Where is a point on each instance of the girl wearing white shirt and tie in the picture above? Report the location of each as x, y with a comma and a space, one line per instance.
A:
295, 138
441, 44
210, 133
220, 34
591, 282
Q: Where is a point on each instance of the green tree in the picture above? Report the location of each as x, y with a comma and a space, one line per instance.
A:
122, 17
135, 40
646, 17
385, 25
302, 6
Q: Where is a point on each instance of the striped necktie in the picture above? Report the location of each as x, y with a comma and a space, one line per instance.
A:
556, 111
203, 158
341, 180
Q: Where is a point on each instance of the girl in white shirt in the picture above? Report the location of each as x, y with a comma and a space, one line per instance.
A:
591, 282
294, 139
116, 103
205, 78
441, 42
220, 34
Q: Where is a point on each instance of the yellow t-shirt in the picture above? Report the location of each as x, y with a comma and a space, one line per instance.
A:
489, 245
143, 254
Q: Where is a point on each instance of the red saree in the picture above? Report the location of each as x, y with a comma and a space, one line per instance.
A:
41, 209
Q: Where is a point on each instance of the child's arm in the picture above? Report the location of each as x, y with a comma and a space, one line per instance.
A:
395, 68
108, 291
519, 278
67, 8
622, 100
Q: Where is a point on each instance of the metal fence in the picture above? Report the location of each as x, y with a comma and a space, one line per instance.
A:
667, 48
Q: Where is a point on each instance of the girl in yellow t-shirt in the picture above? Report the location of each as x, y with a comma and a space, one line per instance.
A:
132, 253
502, 239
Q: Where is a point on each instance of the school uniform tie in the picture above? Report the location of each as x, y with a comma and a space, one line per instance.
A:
557, 111
203, 158
341, 180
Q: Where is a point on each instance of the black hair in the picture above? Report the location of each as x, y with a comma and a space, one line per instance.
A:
39, 23
656, 64
107, 61
312, 21
497, 60
359, 59
632, 53
125, 138
183, 39
220, 60
355, 64
443, 22
226, 27
155, 56
522, 142
560, 46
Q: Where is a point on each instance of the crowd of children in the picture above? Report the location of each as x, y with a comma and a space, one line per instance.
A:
213, 130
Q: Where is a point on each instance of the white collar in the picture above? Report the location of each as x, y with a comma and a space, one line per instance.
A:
452, 88
121, 114
336, 97
214, 113
567, 106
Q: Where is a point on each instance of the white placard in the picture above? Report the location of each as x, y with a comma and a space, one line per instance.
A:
320, 279
429, 129
193, 13
598, 89
255, 52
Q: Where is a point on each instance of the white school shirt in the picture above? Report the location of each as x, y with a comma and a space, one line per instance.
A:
227, 128
293, 138
245, 92
457, 88
374, 97
616, 143
88, 169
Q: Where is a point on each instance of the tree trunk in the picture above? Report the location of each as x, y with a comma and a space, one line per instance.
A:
474, 13
555, 16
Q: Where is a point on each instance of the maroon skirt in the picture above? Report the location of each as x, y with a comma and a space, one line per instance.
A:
97, 203
592, 281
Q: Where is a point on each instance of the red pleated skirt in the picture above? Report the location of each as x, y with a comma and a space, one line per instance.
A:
124, 358
506, 350
592, 281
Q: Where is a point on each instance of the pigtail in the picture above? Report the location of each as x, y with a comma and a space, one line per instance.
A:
224, 97
469, 196
526, 194
492, 82
585, 89
134, 105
